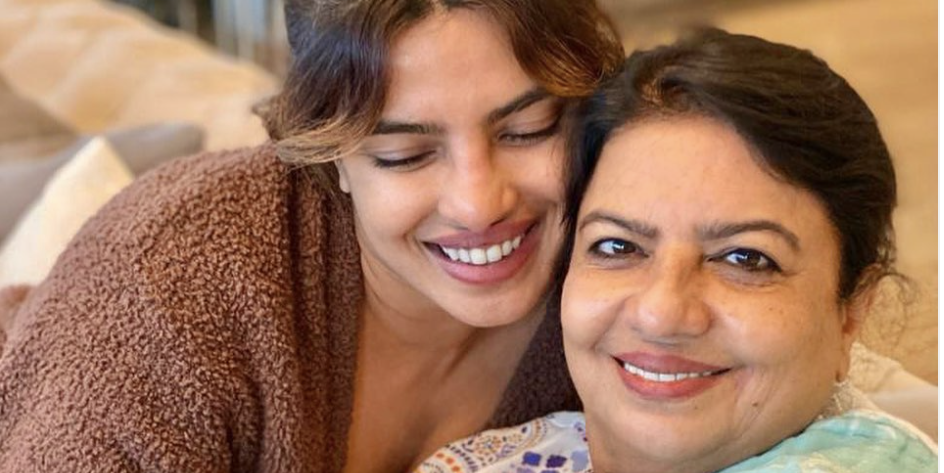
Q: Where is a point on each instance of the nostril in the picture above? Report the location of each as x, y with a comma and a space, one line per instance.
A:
475, 212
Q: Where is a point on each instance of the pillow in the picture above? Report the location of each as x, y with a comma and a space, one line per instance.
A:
873, 373
142, 148
22, 181
917, 406
894, 389
145, 147
75, 193
26, 130
28, 134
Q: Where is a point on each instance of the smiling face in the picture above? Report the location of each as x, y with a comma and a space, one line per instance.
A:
456, 193
700, 314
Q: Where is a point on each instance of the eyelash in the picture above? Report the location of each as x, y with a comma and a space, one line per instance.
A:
766, 264
629, 249
401, 163
522, 139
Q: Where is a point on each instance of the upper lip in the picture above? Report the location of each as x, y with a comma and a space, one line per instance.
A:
496, 234
665, 363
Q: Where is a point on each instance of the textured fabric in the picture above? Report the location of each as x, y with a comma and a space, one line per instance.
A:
205, 321
857, 441
555, 443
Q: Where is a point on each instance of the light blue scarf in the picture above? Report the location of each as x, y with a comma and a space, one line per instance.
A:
857, 441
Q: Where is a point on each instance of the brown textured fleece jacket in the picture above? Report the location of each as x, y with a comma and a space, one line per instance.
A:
205, 321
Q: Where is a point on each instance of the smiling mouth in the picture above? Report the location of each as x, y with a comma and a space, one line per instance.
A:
668, 377
482, 255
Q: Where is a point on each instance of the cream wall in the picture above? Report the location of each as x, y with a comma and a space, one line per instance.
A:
888, 51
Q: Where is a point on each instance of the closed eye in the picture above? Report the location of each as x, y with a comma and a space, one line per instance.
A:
531, 137
402, 164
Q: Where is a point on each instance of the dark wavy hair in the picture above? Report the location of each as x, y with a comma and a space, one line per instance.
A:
805, 122
336, 87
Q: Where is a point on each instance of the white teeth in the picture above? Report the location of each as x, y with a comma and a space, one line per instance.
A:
452, 253
663, 377
483, 255
493, 253
478, 256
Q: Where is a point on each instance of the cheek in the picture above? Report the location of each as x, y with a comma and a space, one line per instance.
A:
539, 173
555, 171
791, 355
393, 205
587, 312
784, 335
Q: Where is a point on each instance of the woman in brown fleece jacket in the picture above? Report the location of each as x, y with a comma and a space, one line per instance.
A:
348, 298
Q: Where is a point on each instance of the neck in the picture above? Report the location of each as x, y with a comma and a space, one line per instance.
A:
426, 378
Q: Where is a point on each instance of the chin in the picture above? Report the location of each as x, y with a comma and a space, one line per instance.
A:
483, 317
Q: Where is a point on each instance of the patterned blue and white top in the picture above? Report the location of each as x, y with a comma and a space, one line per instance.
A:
856, 441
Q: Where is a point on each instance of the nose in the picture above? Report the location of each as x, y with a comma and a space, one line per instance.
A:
670, 306
477, 193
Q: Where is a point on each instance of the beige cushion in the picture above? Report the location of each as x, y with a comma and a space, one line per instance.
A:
23, 177
74, 194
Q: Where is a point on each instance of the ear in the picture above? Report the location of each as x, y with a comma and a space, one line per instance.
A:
854, 312
342, 177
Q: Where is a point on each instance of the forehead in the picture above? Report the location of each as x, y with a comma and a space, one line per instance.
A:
698, 166
670, 154
452, 62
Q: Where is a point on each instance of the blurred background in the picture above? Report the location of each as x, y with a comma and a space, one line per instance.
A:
187, 72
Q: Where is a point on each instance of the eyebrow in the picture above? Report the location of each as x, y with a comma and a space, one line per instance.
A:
725, 230
634, 226
526, 99
519, 103
385, 127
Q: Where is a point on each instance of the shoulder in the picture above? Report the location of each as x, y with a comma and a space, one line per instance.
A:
150, 316
858, 441
204, 206
164, 276
199, 189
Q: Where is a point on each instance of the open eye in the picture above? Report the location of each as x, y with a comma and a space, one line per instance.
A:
749, 260
614, 248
